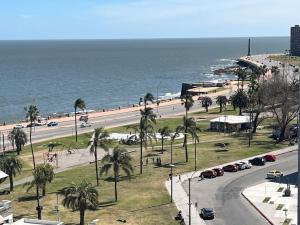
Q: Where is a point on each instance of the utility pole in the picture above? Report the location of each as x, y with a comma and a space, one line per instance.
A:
298, 185
189, 201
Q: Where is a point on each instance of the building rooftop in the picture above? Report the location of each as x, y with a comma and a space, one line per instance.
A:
2, 175
230, 119
25, 221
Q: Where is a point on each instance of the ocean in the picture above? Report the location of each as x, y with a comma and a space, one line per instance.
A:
111, 73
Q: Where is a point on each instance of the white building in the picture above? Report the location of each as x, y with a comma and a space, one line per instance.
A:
3, 176
230, 123
6, 215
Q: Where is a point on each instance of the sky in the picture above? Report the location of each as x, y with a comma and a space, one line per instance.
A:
119, 19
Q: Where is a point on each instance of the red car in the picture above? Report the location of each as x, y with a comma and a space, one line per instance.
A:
230, 168
208, 174
219, 171
270, 158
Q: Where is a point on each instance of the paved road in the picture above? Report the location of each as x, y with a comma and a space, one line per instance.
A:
224, 193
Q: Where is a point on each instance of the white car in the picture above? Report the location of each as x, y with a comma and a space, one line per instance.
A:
273, 174
246, 165
83, 125
18, 126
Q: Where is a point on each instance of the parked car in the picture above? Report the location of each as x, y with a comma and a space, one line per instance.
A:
241, 166
83, 125
247, 165
230, 168
33, 125
208, 174
258, 161
270, 158
18, 126
273, 174
52, 124
207, 213
219, 171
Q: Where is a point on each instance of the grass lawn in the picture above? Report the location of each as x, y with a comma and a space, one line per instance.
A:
294, 60
143, 199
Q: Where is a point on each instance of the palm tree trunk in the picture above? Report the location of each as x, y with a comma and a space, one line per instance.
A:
162, 145
75, 124
220, 108
195, 155
206, 108
81, 217
44, 190
18, 149
141, 155
240, 111
11, 182
171, 152
96, 163
185, 137
116, 191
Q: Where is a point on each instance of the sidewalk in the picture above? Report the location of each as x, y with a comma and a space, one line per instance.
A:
181, 199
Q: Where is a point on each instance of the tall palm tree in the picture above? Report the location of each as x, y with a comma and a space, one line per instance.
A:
193, 130
11, 166
79, 103
240, 100
43, 174
31, 114
100, 138
173, 137
148, 98
118, 160
188, 102
80, 197
222, 101
164, 132
141, 130
18, 137
206, 102
242, 75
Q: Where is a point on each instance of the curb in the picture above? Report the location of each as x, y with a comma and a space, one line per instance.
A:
257, 209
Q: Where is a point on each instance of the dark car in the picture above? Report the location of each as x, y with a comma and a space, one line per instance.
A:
33, 125
230, 168
258, 161
219, 171
208, 174
52, 124
270, 158
207, 213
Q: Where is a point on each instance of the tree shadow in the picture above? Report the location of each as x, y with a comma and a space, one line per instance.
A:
121, 178
106, 204
27, 198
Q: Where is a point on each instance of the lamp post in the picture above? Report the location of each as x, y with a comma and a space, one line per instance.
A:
171, 178
189, 201
298, 209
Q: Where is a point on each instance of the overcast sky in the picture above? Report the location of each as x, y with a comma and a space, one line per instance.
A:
98, 19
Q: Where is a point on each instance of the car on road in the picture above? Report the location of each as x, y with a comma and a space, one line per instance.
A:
241, 166
247, 165
52, 124
219, 171
33, 125
273, 174
18, 126
83, 125
230, 168
207, 213
270, 158
258, 161
208, 174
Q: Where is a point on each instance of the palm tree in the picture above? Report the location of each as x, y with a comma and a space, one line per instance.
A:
79, 103
141, 128
222, 101
80, 197
118, 160
206, 102
242, 75
193, 130
99, 139
17, 137
148, 98
240, 100
11, 166
188, 102
164, 132
43, 174
173, 137
31, 113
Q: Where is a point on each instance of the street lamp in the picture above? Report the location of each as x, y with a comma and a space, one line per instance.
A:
171, 178
298, 209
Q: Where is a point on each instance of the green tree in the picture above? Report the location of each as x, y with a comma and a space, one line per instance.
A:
242, 75
18, 137
164, 132
206, 102
240, 100
118, 160
79, 103
43, 174
11, 166
80, 197
31, 114
222, 101
188, 102
100, 138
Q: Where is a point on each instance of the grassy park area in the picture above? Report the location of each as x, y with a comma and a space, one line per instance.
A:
143, 199
293, 60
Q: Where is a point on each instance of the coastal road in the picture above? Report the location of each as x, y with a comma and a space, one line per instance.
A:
224, 193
